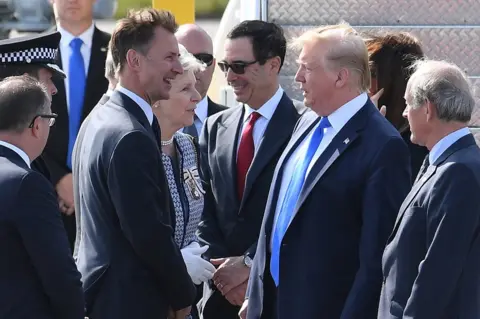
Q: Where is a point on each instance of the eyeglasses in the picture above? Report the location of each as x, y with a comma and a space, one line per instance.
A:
51, 118
205, 58
237, 67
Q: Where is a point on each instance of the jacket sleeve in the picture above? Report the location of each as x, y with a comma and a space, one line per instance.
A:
41, 228
136, 185
388, 183
209, 232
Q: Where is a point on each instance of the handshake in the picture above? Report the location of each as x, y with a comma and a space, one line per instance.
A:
198, 268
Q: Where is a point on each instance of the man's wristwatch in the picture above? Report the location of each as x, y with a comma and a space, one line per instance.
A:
247, 261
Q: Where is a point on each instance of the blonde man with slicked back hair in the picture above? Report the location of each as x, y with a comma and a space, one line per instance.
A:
335, 193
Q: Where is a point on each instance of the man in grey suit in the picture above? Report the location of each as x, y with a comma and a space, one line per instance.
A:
431, 264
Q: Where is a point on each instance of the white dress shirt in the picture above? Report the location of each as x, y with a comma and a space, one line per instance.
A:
146, 108
201, 113
337, 119
17, 150
442, 145
66, 52
266, 111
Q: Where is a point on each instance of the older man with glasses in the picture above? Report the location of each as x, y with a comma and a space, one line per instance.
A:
198, 42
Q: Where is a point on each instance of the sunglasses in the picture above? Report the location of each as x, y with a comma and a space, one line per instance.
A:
205, 58
51, 118
237, 67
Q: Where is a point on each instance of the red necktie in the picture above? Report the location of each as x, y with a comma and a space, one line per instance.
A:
246, 150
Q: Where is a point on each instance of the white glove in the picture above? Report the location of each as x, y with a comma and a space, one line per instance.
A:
199, 269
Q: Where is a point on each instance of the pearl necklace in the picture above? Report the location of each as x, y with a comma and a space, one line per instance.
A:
166, 143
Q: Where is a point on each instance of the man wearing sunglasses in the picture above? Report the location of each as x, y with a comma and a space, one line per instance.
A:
240, 148
38, 277
198, 42
35, 56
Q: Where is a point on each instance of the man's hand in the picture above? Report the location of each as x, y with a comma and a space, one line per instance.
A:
243, 311
236, 296
375, 98
230, 274
179, 314
64, 190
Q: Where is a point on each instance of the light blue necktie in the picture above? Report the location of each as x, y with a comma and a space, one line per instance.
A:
76, 92
291, 197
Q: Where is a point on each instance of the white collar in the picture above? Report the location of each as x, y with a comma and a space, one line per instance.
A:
202, 109
147, 109
86, 36
17, 150
109, 92
342, 115
267, 109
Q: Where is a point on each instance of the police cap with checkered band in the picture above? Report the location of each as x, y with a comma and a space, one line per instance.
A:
39, 49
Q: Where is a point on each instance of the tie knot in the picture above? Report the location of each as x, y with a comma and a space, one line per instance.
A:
76, 44
324, 123
254, 117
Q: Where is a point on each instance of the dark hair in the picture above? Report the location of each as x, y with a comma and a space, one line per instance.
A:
137, 30
21, 99
391, 56
7, 70
268, 39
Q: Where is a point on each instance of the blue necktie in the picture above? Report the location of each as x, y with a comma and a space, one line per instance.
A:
76, 92
291, 197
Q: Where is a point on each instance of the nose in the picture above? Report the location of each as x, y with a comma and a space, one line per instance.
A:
405, 112
230, 75
299, 76
52, 88
196, 97
177, 67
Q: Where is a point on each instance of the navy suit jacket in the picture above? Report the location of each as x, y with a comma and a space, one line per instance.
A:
330, 259
38, 277
130, 264
432, 261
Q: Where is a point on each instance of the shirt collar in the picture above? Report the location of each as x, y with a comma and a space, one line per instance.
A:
267, 109
86, 36
442, 145
109, 92
202, 109
147, 109
341, 116
17, 150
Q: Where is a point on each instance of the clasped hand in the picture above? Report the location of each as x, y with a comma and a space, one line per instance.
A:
199, 269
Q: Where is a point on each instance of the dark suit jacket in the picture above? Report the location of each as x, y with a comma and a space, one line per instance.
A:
130, 264
330, 261
231, 227
432, 261
214, 108
38, 277
55, 153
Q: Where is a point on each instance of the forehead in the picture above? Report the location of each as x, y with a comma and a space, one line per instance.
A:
313, 51
196, 43
185, 78
164, 41
239, 49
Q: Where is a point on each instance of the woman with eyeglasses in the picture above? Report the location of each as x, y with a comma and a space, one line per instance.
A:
181, 163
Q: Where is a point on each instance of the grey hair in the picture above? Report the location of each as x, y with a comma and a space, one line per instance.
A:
110, 69
349, 50
22, 98
444, 85
189, 62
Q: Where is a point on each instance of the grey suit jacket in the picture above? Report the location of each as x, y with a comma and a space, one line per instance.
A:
431, 263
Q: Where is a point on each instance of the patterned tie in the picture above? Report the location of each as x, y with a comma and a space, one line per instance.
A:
291, 197
192, 129
246, 151
423, 168
76, 92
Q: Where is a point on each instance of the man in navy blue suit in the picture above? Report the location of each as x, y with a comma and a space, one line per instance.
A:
335, 192
432, 261
38, 277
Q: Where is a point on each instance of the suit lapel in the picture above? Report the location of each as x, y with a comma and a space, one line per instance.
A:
279, 129
227, 149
